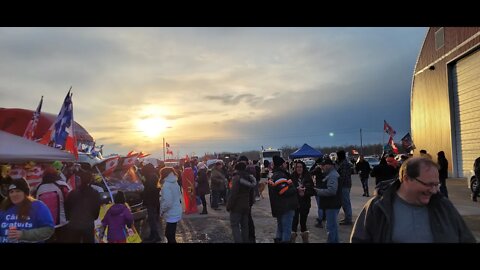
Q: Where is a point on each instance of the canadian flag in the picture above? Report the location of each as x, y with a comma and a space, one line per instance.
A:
392, 144
34, 176
128, 162
110, 165
169, 152
17, 172
142, 155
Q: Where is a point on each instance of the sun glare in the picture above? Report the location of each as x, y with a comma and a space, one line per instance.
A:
152, 127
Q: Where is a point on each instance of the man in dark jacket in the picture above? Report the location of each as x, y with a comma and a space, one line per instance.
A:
345, 171
283, 199
363, 169
251, 179
330, 192
476, 168
411, 210
82, 207
239, 203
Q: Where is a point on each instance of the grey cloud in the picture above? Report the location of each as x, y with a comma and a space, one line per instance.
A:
227, 99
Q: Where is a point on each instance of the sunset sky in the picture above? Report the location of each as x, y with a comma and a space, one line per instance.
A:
216, 89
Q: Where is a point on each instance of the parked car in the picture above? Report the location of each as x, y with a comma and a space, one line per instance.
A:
373, 161
131, 187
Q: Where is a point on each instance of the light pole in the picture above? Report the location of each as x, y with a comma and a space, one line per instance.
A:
361, 143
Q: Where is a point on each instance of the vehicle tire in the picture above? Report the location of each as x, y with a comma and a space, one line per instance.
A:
473, 183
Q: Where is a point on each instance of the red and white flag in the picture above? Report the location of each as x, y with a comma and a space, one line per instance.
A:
142, 155
128, 162
32, 125
388, 129
169, 152
110, 165
61, 133
392, 144
34, 176
17, 172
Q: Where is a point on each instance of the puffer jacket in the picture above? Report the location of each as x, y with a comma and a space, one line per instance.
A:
170, 204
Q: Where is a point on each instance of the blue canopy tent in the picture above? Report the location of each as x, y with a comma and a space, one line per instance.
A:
305, 151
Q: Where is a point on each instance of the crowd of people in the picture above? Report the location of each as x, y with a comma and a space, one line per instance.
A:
410, 193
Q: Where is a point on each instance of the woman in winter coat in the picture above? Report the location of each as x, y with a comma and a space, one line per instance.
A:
23, 218
303, 182
202, 185
116, 219
170, 202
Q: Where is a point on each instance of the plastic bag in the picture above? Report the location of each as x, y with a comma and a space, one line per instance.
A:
132, 236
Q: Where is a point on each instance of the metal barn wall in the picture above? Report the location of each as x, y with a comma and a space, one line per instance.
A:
431, 118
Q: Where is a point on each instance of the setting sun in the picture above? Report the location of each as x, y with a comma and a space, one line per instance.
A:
152, 127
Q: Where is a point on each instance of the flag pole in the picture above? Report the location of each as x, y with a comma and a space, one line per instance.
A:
164, 150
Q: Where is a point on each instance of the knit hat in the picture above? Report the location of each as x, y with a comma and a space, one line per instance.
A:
57, 165
278, 161
21, 184
243, 158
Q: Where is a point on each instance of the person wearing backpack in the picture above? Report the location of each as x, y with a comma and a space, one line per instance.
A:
53, 191
116, 219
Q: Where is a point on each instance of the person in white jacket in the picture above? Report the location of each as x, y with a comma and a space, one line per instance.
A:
170, 202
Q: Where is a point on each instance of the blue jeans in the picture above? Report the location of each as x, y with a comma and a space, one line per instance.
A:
284, 226
320, 210
346, 205
332, 225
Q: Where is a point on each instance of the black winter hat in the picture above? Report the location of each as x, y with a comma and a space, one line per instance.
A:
243, 158
278, 161
21, 184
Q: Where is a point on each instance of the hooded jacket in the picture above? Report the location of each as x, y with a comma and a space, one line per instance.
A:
170, 204
117, 217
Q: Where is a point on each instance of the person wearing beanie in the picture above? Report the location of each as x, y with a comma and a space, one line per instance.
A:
240, 202
53, 192
278, 161
82, 208
248, 182
283, 200
23, 218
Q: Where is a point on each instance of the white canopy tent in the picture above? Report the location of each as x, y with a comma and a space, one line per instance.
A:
16, 149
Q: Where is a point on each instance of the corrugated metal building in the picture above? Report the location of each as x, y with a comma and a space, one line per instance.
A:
445, 98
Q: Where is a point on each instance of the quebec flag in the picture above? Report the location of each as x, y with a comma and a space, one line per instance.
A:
61, 134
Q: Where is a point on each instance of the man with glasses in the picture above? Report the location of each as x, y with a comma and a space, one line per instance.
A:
411, 210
